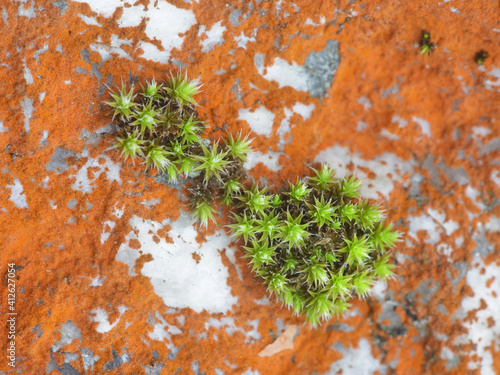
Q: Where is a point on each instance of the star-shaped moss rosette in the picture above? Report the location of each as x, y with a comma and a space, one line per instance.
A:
315, 243
159, 125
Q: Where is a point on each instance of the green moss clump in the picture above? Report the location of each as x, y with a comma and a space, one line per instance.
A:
319, 246
315, 243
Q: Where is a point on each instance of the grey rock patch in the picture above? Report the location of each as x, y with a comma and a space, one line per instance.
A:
5, 18
425, 126
342, 327
395, 326
94, 71
72, 204
264, 301
394, 363
97, 281
150, 203
88, 359
458, 175
70, 357
426, 290
38, 331
151, 320
95, 137
58, 160
483, 247
236, 85
196, 368
52, 365
452, 359
154, 370
62, 5
321, 67
442, 309
117, 360
430, 166
422, 326
17, 194
179, 64
67, 369
90, 138
37, 54
361, 126
415, 181
173, 354
494, 145
358, 361
453, 362
391, 90
69, 332
27, 106
462, 268
280, 327
365, 102
109, 129
43, 141
234, 16
29, 13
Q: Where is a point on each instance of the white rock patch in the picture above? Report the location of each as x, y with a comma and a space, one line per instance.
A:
424, 125
105, 235
103, 8
213, 36
164, 22
260, 120
101, 316
175, 275
433, 223
270, 160
242, 40
89, 20
162, 330
230, 327
115, 47
303, 110
480, 333
282, 72
386, 167
85, 184
17, 196
358, 361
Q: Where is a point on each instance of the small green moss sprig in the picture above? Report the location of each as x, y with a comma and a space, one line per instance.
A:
480, 56
426, 46
315, 243
159, 124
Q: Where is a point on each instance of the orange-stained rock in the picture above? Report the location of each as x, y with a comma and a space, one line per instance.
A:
112, 278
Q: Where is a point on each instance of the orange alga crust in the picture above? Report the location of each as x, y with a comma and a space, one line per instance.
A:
59, 257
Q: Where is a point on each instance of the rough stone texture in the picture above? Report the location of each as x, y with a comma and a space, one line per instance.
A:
86, 230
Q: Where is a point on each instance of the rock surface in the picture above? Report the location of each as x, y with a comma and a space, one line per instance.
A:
112, 278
